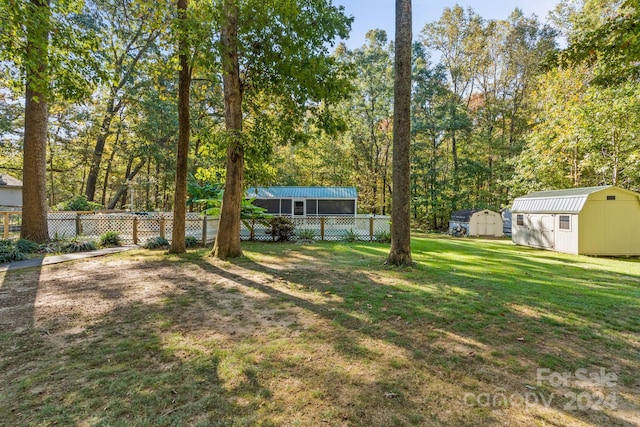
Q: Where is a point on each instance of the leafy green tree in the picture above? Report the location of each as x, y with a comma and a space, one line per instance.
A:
283, 50
128, 31
369, 113
33, 61
607, 35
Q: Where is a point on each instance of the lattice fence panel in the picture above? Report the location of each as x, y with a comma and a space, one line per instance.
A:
95, 225
62, 225
381, 224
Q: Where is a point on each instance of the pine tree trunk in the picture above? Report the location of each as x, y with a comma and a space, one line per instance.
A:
401, 198
184, 84
227, 243
34, 185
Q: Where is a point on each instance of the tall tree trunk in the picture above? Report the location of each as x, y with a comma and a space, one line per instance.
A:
400, 253
124, 187
184, 82
105, 184
101, 140
122, 191
34, 186
227, 243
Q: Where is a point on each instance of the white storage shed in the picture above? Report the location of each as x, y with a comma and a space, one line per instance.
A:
476, 222
601, 220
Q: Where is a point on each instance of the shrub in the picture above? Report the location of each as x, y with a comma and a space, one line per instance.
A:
350, 236
110, 238
26, 246
10, 254
190, 241
77, 245
156, 243
281, 229
382, 236
306, 234
79, 203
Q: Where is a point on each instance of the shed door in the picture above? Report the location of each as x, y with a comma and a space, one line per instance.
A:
485, 224
541, 231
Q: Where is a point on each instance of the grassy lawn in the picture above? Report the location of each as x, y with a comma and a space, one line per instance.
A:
479, 332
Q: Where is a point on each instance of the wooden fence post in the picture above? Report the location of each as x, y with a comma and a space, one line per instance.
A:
6, 225
204, 230
321, 228
371, 229
162, 227
135, 230
78, 225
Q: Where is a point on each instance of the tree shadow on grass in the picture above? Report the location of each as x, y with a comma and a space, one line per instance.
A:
451, 315
18, 293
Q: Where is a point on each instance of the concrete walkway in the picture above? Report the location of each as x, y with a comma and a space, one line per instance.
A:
56, 259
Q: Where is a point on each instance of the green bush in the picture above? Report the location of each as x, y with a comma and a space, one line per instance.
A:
11, 254
79, 203
382, 236
110, 238
350, 236
306, 234
156, 243
77, 245
281, 229
190, 241
26, 246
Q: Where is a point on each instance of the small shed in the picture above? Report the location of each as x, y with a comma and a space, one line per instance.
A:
306, 201
10, 193
601, 220
476, 222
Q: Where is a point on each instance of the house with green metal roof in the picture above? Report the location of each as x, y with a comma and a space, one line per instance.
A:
306, 201
601, 220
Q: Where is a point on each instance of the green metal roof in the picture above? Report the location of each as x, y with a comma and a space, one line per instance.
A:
302, 192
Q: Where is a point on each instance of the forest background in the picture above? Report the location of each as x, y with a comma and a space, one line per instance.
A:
498, 110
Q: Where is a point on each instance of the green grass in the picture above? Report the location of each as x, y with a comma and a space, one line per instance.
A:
321, 334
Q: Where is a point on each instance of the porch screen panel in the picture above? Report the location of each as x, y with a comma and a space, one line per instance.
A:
312, 207
285, 206
271, 205
336, 207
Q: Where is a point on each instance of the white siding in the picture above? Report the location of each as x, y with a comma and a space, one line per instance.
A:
10, 197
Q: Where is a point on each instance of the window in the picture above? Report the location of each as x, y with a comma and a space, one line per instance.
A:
565, 222
519, 219
611, 197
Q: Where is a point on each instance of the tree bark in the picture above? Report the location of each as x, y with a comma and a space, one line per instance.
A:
184, 83
122, 191
101, 140
400, 253
227, 243
34, 180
